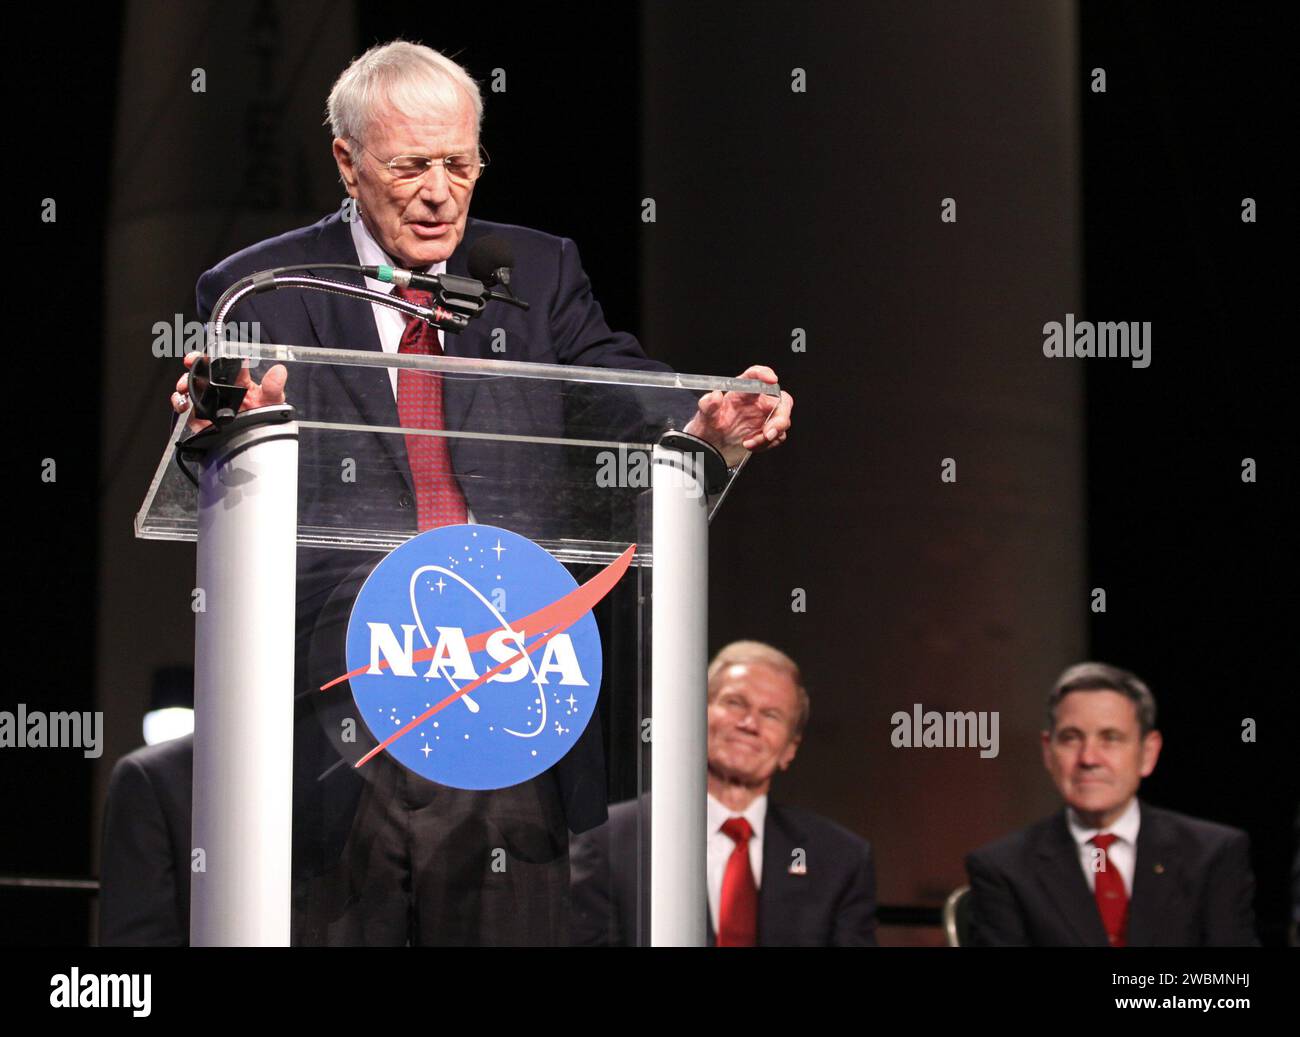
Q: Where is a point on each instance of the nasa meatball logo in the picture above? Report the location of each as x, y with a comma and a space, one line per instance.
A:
473, 656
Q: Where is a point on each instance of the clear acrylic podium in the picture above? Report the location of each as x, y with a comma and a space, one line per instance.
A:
292, 506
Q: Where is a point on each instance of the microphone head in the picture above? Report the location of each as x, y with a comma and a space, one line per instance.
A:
487, 256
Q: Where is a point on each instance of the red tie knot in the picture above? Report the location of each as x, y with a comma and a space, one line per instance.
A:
737, 829
1104, 842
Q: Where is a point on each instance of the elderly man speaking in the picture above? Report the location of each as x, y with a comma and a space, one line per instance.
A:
389, 857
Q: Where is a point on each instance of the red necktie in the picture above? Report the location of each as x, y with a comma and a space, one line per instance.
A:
738, 908
438, 499
1112, 900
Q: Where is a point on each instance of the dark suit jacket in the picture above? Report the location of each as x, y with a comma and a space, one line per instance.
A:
832, 904
144, 897
565, 325
1192, 887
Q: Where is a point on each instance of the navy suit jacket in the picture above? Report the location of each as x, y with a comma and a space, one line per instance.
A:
565, 325
832, 903
1192, 887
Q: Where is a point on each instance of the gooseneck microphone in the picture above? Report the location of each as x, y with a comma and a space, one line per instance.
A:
456, 301
490, 260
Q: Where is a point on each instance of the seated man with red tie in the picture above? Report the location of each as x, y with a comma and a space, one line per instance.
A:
1109, 869
777, 876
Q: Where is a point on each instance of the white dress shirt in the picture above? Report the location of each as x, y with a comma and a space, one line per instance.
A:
1122, 852
719, 847
390, 323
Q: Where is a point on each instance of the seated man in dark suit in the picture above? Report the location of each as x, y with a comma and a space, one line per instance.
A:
777, 875
144, 874
1110, 870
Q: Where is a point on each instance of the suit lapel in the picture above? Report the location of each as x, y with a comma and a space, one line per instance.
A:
1063, 882
1155, 882
458, 393
342, 323
781, 837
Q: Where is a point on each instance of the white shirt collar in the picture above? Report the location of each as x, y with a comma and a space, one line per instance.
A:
1126, 827
755, 814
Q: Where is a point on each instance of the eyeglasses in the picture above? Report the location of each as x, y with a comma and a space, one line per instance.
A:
461, 169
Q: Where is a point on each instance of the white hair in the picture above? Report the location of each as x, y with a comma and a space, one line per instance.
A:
409, 77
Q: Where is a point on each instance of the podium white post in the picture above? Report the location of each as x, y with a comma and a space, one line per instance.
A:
243, 688
679, 658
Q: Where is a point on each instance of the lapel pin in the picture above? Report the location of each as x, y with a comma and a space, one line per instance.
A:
1159, 869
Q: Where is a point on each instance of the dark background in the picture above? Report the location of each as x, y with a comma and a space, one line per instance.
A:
1197, 565
1200, 567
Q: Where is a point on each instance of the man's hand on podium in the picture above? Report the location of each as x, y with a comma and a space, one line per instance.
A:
267, 394
743, 422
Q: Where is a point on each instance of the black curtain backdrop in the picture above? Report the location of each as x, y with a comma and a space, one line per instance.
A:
64, 86
1199, 567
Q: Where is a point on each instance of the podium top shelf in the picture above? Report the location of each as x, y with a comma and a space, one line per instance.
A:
267, 353
559, 453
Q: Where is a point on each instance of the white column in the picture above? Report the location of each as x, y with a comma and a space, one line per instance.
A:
243, 690
678, 661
